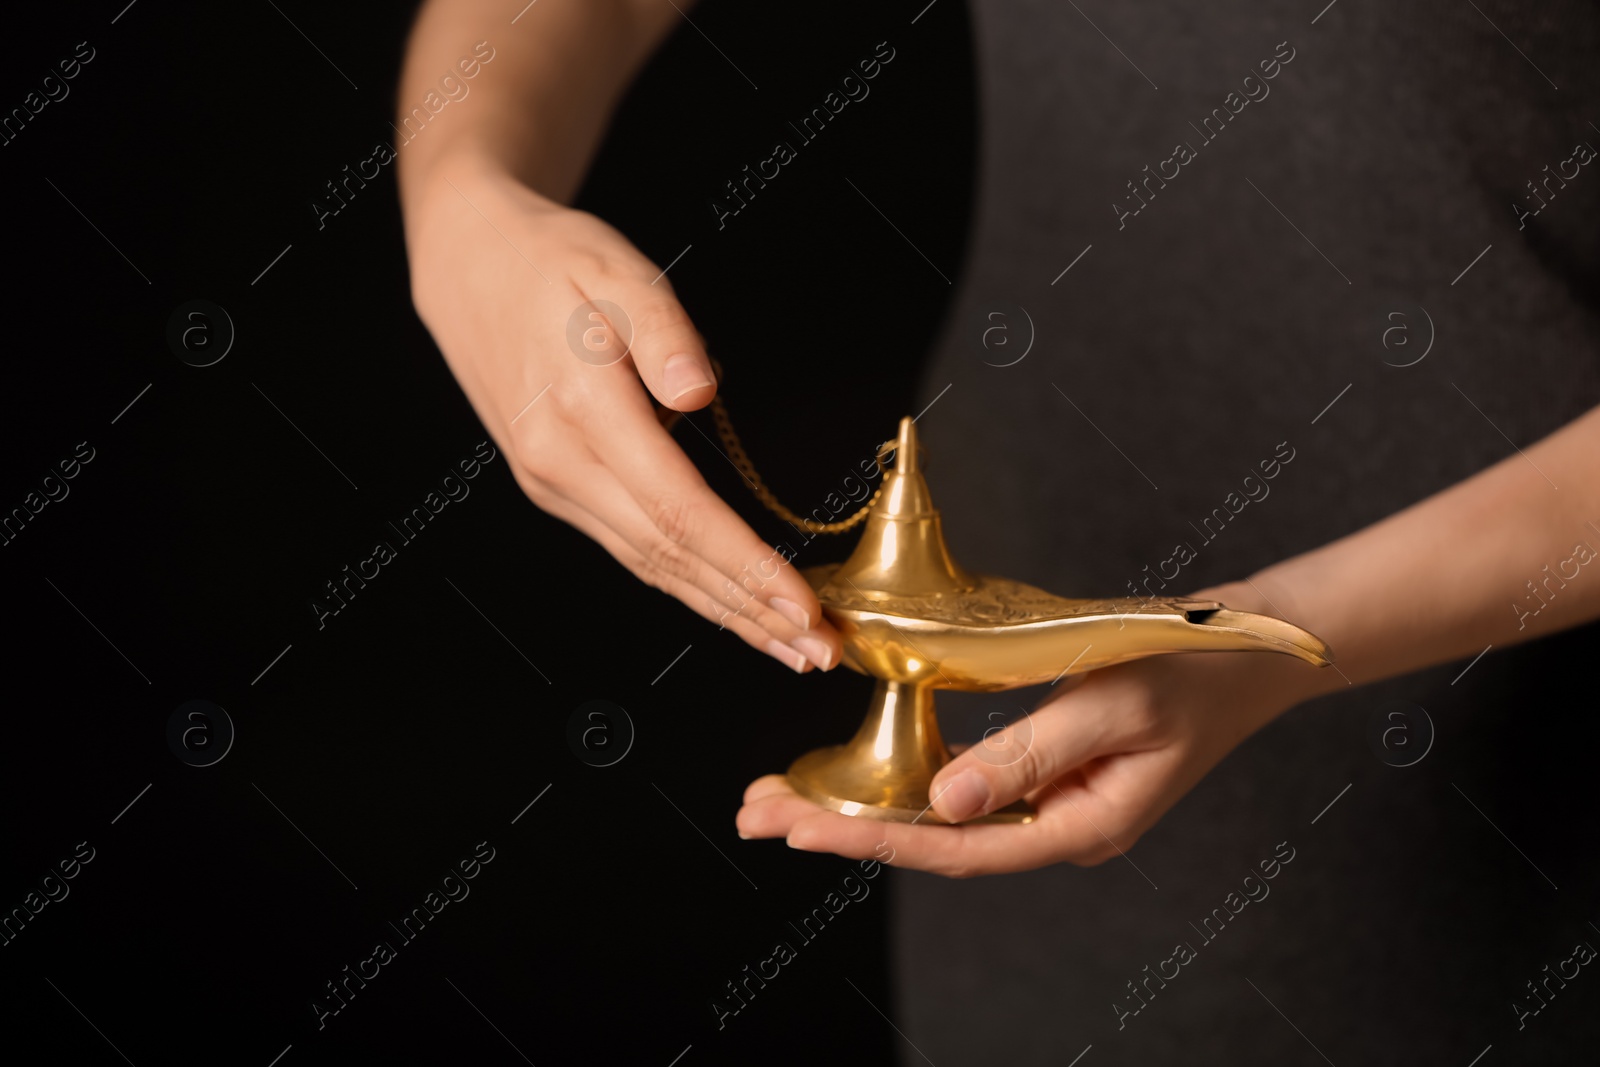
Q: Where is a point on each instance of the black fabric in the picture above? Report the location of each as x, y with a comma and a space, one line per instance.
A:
1192, 340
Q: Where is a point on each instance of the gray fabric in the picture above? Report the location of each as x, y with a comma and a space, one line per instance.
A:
1191, 342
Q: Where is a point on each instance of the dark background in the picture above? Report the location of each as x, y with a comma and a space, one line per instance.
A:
429, 713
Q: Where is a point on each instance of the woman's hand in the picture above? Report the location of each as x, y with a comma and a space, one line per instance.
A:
1101, 759
508, 282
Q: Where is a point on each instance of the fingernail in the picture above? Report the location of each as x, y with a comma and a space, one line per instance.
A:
962, 797
791, 611
786, 655
743, 836
815, 651
683, 374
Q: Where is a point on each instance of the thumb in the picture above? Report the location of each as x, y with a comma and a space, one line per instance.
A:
667, 351
1012, 761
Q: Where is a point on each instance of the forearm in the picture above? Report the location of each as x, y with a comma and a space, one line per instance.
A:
1498, 559
539, 109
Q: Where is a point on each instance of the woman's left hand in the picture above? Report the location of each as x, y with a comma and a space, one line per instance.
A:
1101, 760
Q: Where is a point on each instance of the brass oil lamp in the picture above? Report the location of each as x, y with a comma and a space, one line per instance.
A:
915, 620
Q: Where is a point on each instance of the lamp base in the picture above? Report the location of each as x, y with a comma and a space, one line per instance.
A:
884, 772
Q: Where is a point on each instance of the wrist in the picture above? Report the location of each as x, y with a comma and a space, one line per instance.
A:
433, 178
444, 196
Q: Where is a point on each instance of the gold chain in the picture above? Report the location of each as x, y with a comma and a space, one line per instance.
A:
741, 461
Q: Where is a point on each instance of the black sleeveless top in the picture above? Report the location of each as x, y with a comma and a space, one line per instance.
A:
1360, 243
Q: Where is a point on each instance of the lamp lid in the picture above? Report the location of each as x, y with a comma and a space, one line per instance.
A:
902, 552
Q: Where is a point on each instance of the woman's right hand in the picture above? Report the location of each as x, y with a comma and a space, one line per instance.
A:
505, 279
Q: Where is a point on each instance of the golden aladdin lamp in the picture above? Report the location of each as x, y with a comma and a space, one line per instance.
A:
915, 620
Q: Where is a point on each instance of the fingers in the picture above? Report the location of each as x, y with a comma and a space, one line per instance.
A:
545, 367
667, 351
556, 464
669, 358
564, 386
773, 816
1067, 828
691, 579
951, 851
765, 786
688, 516
1017, 760
1063, 831
749, 629
1086, 824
